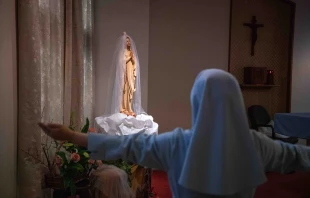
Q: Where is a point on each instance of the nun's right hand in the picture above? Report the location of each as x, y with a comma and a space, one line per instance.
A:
57, 131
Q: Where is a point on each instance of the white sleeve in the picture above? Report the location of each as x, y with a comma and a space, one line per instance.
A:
281, 157
153, 151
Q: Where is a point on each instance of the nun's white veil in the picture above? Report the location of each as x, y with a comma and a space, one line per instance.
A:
221, 158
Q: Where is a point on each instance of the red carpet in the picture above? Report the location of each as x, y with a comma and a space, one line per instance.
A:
296, 185
161, 184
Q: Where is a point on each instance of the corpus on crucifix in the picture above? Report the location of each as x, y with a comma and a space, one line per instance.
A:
254, 26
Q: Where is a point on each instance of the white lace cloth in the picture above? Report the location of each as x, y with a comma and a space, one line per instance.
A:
121, 124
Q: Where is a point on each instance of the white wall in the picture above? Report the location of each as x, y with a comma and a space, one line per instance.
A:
112, 18
301, 58
8, 99
186, 36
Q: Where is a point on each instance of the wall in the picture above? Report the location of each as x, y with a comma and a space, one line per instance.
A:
8, 99
301, 58
185, 38
271, 49
111, 19
176, 28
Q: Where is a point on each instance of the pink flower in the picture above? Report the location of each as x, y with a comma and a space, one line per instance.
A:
75, 157
91, 161
58, 160
92, 130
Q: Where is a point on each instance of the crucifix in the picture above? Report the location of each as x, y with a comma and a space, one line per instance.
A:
253, 25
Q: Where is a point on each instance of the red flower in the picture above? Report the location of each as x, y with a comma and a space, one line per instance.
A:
92, 130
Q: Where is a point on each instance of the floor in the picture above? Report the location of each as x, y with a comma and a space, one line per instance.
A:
295, 185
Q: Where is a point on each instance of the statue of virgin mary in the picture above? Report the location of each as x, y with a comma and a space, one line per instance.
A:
124, 113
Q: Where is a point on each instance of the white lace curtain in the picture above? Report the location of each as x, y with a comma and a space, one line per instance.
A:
55, 74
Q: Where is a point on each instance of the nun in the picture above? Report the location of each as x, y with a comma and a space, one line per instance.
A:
219, 156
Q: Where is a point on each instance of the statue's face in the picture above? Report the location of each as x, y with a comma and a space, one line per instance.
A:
128, 42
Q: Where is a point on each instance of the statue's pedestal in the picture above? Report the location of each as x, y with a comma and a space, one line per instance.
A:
121, 124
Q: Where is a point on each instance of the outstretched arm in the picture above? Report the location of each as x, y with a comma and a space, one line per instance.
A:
281, 157
154, 151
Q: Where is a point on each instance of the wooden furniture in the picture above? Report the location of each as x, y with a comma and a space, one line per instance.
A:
259, 117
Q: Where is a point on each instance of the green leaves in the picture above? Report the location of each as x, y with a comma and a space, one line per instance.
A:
70, 169
76, 166
63, 157
68, 183
72, 188
86, 154
70, 147
71, 126
86, 126
68, 144
69, 172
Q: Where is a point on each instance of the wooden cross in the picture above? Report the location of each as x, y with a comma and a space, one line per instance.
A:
253, 25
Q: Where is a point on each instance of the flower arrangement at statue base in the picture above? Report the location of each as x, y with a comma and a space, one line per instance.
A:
72, 162
69, 165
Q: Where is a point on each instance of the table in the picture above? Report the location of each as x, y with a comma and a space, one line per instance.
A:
293, 125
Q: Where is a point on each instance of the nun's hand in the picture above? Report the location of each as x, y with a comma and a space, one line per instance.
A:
57, 131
